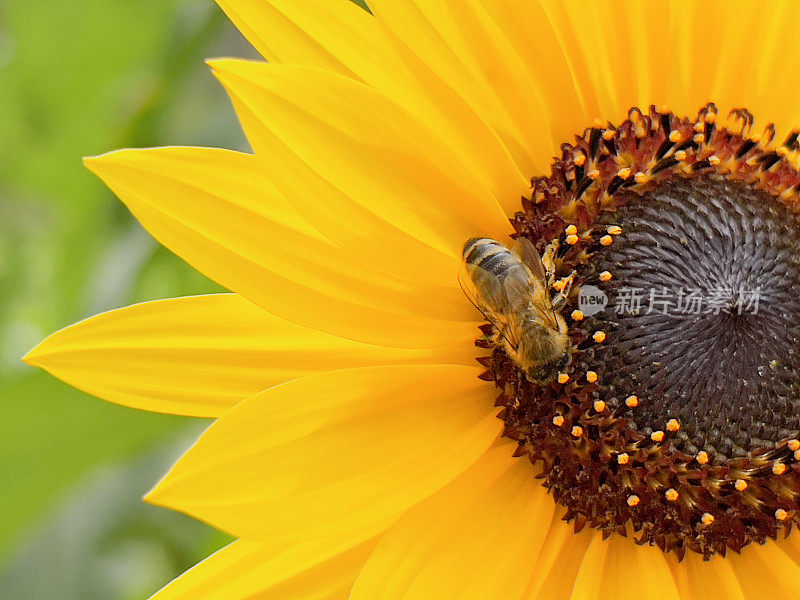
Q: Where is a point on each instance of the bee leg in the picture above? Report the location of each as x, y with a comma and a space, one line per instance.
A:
500, 334
560, 301
549, 261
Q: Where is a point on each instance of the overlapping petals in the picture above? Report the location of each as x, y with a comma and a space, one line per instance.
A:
465, 542
617, 567
342, 38
201, 355
393, 188
319, 569
338, 453
354, 443
219, 211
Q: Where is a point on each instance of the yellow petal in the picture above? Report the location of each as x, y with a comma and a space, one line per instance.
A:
558, 563
767, 571
361, 169
309, 570
475, 539
618, 568
791, 545
682, 55
219, 211
467, 49
552, 59
338, 453
201, 355
337, 35
539, 72
698, 579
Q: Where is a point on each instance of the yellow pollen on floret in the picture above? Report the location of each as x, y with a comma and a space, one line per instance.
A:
633, 500
594, 174
657, 436
707, 519
609, 134
579, 160
558, 420
779, 468
794, 445
606, 276
571, 230
680, 155
599, 336
599, 406
640, 177
797, 454
702, 457
675, 136
563, 378
673, 425
560, 285
740, 485
577, 315
577, 431
624, 173
781, 514
614, 229
714, 159
591, 376
572, 239
671, 494
606, 240
632, 401
623, 458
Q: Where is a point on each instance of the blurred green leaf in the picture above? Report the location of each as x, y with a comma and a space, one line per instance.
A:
104, 543
54, 436
80, 79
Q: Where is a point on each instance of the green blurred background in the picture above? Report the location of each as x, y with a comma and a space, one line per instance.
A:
76, 79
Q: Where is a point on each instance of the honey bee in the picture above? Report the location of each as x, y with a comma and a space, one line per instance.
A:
511, 289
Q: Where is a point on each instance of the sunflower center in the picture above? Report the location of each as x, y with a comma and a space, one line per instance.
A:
678, 417
704, 315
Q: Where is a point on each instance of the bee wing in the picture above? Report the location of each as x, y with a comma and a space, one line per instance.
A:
524, 293
493, 294
530, 258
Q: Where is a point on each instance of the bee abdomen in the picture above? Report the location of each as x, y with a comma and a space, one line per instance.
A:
490, 256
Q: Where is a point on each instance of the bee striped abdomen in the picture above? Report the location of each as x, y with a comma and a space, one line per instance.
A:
490, 256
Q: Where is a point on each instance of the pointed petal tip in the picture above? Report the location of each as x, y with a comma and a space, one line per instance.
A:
90, 161
97, 163
223, 65
36, 356
151, 497
220, 61
31, 358
156, 496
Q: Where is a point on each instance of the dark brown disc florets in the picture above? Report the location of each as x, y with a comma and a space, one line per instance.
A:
680, 415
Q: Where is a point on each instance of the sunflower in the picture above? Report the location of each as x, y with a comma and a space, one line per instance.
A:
357, 450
